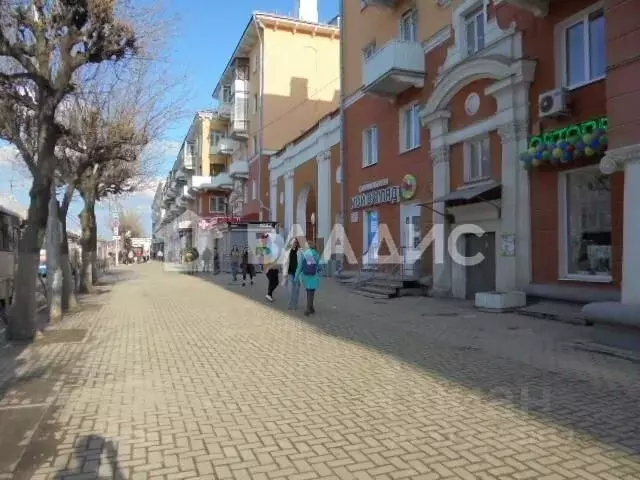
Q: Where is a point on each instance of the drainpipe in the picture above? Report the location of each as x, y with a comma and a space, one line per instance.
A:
260, 115
343, 162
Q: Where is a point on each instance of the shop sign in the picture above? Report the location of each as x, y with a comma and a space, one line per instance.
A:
376, 197
383, 182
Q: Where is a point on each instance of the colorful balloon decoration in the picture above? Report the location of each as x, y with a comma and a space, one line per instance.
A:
564, 145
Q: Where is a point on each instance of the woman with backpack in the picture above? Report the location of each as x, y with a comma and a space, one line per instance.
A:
309, 274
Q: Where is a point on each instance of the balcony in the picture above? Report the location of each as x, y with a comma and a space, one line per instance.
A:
226, 146
222, 181
396, 67
539, 8
239, 169
224, 109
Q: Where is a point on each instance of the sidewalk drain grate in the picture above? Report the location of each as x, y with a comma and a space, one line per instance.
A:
49, 337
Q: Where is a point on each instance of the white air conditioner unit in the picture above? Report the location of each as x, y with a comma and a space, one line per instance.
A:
553, 103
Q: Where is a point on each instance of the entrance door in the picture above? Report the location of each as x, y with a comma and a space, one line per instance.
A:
411, 237
371, 236
480, 277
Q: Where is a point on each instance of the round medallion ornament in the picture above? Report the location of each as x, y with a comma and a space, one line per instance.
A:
472, 104
408, 187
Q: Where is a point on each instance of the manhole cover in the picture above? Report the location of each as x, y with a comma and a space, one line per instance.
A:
49, 337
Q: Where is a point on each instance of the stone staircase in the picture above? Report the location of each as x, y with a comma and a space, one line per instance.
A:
372, 284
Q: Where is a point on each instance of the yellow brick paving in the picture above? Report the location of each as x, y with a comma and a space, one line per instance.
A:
181, 377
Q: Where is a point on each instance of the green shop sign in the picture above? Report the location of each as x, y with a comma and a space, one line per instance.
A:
564, 145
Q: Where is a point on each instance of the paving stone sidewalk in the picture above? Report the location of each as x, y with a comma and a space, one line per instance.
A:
168, 376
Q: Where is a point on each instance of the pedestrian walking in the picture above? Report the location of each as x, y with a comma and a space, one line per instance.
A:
272, 271
308, 274
247, 268
235, 262
160, 255
216, 261
291, 268
206, 260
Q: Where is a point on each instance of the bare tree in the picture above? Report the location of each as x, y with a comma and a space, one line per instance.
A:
135, 111
43, 45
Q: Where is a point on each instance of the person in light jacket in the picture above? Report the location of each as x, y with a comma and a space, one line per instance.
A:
308, 273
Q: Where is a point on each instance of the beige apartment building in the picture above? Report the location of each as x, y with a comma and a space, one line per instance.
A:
197, 186
283, 76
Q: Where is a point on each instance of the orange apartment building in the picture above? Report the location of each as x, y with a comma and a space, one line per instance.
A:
586, 77
436, 111
283, 76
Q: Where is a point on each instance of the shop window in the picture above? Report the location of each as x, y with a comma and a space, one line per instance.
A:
370, 146
409, 26
477, 160
409, 128
474, 24
586, 218
583, 48
216, 204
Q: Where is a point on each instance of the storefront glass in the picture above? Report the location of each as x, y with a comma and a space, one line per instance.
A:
588, 223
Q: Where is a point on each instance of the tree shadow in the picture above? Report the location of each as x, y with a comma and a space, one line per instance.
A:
586, 406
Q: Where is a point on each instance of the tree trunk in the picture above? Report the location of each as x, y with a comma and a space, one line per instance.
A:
54, 272
22, 321
68, 300
87, 220
94, 249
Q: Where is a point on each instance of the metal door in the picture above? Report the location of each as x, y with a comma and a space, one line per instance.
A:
480, 277
411, 238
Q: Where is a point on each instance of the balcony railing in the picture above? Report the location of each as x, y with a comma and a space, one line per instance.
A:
540, 8
239, 169
397, 66
226, 146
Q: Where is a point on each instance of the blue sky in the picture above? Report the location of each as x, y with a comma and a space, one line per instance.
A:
206, 34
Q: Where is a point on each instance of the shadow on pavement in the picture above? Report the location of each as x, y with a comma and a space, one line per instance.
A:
586, 406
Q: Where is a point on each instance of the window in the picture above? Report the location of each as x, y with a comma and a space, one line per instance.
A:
584, 50
474, 28
216, 168
215, 138
586, 203
254, 144
409, 26
370, 146
477, 160
369, 50
409, 128
255, 103
256, 60
226, 94
245, 193
254, 190
217, 205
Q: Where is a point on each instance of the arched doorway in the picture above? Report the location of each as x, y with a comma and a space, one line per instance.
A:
307, 212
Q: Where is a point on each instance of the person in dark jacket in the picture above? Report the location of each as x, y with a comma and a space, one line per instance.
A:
290, 279
247, 268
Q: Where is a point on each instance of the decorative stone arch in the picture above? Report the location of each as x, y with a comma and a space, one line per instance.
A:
465, 73
301, 206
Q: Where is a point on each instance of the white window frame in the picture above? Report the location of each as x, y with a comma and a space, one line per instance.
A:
471, 17
254, 190
369, 154
369, 50
227, 94
410, 17
245, 193
560, 36
478, 141
563, 231
416, 141
216, 204
215, 137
